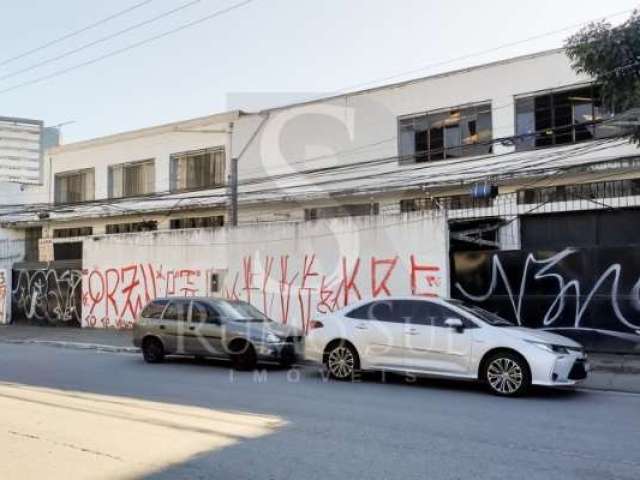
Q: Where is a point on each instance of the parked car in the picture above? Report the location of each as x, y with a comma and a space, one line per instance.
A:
206, 327
447, 338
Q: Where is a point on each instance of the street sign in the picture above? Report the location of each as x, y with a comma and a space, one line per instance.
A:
21, 150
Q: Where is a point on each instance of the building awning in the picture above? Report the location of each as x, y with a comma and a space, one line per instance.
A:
377, 176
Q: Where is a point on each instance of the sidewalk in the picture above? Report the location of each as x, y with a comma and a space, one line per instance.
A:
609, 371
68, 337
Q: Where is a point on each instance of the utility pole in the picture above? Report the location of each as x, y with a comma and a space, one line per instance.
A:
232, 210
233, 186
232, 182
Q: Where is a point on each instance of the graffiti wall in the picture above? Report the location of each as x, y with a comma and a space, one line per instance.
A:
47, 296
318, 267
5, 297
590, 294
292, 271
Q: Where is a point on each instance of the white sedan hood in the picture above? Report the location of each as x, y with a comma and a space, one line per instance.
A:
540, 336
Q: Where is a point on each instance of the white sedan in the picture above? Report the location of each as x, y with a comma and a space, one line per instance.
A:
444, 338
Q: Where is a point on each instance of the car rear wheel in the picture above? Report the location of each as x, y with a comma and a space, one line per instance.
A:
152, 350
507, 374
342, 361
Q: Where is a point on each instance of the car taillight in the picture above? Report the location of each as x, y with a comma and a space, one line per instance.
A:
315, 324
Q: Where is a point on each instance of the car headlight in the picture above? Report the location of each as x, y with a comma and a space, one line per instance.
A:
272, 338
549, 347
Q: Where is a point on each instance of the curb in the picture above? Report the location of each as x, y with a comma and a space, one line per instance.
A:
75, 345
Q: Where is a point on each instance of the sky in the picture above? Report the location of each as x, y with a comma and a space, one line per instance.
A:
271, 50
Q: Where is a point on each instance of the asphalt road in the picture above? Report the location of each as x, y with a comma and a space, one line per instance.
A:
85, 414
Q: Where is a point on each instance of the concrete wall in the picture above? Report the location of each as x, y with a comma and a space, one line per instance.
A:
292, 271
101, 153
363, 126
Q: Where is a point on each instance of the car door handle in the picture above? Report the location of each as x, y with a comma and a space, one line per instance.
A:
162, 327
361, 326
192, 328
411, 331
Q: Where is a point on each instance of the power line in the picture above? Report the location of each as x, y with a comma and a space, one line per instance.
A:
76, 32
100, 40
119, 51
472, 55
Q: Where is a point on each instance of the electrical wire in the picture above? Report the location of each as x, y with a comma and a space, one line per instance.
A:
76, 32
100, 40
132, 46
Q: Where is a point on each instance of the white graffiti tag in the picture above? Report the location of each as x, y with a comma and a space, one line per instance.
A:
566, 288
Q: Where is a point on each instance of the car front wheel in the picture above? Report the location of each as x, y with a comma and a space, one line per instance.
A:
507, 374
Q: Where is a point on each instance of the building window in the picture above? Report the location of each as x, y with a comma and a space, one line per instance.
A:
355, 210
32, 236
459, 132
147, 226
72, 232
74, 187
131, 179
198, 169
453, 202
197, 222
560, 117
584, 191
67, 251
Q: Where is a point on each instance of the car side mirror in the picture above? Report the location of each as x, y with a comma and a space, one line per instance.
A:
455, 323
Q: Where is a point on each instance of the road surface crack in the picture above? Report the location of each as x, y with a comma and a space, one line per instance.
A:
66, 445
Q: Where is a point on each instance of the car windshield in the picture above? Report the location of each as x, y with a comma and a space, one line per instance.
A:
487, 317
240, 311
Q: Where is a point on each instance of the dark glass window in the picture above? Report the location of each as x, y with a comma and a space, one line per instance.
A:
204, 313
154, 309
198, 169
72, 232
131, 179
583, 191
354, 210
177, 310
561, 117
381, 311
197, 222
131, 227
459, 132
74, 187
432, 314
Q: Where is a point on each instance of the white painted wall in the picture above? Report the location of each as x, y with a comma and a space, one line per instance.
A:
363, 126
292, 271
157, 143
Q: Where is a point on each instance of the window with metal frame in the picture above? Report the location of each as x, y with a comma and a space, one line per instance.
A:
146, 226
198, 169
197, 222
453, 202
584, 191
74, 187
72, 232
353, 210
441, 134
131, 179
558, 117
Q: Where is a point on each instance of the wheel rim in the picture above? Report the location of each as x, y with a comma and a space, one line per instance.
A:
341, 362
505, 375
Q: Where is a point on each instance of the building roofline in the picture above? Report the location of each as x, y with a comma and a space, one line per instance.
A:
223, 117
235, 114
504, 61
